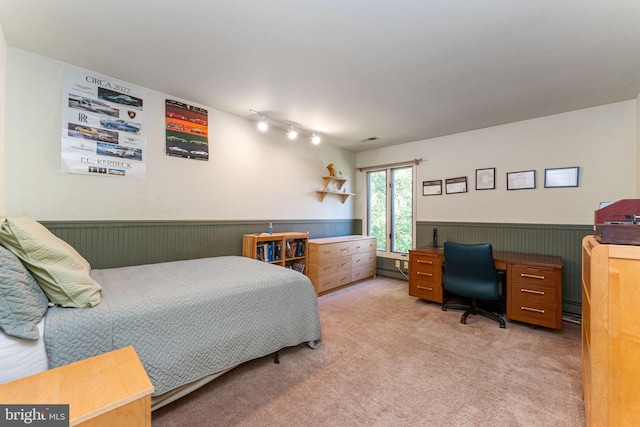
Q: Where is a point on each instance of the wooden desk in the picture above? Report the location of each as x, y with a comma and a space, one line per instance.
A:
534, 283
111, 389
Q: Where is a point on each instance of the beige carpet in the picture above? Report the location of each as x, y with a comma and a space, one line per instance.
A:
388, 359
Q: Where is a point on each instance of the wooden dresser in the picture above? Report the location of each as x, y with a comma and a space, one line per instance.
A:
111, 389
610, 333
333, 262
534, 283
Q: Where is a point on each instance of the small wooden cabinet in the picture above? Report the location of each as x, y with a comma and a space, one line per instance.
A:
534, 295
111, 389
339, 261
425, 276
338, 191
610, 333
284, 249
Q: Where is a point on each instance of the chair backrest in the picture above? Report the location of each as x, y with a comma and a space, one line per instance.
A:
470, 271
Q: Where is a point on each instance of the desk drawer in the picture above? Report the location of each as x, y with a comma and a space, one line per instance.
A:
535, 293
534, 312
426, 268
425, 289
533, 275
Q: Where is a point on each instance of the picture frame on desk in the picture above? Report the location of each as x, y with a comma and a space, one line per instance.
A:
561, 177
486, 179
523, 180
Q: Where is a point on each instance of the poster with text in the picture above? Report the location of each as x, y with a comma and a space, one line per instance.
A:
187, 131
103, 126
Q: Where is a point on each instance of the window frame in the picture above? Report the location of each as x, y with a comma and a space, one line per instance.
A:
387, 253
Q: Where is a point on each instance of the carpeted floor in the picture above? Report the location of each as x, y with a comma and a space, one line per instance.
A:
388, 359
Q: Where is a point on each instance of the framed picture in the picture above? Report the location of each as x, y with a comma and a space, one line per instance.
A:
456, 185
523, 180
486, 179
561, 177
432, 188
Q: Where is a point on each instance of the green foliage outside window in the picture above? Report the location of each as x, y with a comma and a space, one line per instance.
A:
401, 215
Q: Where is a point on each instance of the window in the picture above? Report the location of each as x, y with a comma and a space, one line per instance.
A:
390, 208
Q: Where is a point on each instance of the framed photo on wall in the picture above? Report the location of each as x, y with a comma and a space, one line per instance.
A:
561, 177
456, 185
486, 179
523, 180
432, 188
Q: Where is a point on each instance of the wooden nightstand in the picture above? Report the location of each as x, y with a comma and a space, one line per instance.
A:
111, 389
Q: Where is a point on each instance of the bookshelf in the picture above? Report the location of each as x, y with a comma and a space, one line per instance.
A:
283, 249
339, 183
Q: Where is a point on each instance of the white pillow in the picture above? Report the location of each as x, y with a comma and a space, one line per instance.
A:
21, 357
61, 272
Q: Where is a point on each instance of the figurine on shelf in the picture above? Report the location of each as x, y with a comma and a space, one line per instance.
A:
331, 170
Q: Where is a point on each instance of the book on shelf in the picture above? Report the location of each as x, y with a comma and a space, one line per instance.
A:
298, 267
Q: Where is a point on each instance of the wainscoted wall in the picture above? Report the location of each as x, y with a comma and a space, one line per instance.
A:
561, 240
107, 244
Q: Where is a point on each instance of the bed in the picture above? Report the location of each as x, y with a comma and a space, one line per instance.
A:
189, 321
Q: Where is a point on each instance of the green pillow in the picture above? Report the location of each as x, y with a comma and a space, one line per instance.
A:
61, 272
22, 302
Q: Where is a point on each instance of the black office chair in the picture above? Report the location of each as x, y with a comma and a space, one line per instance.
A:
469, 272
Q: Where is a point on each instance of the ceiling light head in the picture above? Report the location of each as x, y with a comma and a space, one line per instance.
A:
292, 133
263, 124
315, 139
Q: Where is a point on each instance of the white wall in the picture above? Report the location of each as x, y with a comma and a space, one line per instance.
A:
3, 69
601, 141
249, 175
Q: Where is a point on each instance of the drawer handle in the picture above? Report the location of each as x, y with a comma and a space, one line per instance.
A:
426, 289
531, 291
420, 273
531, 276
424, 262
537, 310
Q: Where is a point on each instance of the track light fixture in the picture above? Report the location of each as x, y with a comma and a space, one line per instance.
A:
263, 124
292, 131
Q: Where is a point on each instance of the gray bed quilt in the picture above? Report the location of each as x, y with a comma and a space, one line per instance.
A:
188, 319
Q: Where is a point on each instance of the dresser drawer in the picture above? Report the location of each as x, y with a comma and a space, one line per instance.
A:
363, 272
330, 281
333, 250
333, 265
533, 275
535, 293
363, 245
363, 259
537, 313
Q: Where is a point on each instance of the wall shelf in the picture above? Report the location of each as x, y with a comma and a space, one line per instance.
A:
339, 183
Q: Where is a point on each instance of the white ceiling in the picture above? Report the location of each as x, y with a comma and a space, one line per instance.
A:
401, 71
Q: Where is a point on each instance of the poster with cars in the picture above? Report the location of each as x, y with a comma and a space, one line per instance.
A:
103, 126
187, 130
